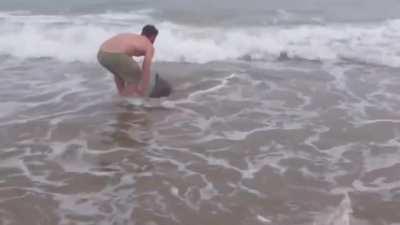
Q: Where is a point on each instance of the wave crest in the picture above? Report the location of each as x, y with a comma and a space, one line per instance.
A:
77, 38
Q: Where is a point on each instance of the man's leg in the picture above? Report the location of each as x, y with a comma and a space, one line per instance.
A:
130, 90
130, 72
120, 84
110, 62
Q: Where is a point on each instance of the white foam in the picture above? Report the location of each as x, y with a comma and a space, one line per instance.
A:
212, 89
209, 191
135, 101
168, 104
263, 219
174, 190
339, 216
71, 38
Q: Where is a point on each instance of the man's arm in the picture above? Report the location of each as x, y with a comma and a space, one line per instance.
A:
146, 70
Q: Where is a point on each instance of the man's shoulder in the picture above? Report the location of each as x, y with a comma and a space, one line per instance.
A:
138, 37
128, 35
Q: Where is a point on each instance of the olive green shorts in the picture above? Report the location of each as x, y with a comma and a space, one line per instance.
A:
121, 65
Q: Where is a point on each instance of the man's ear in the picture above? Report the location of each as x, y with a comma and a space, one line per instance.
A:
153, 38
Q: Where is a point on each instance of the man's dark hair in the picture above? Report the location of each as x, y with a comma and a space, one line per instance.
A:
149, 31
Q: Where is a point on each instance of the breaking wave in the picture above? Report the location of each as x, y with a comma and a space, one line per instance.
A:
76, 38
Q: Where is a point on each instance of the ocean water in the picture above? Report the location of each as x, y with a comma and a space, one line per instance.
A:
283, 112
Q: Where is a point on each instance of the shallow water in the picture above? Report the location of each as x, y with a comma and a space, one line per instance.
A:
310, 139
279, 142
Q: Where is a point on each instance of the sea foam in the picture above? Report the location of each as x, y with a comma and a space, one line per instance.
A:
77, 38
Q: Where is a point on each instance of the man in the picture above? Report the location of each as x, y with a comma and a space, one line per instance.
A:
116, 54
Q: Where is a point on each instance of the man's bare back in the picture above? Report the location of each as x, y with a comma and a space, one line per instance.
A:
127, 43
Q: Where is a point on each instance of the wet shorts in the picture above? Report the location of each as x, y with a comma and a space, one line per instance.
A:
121, 65
127, 69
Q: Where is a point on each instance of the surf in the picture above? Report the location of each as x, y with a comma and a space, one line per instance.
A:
76, 38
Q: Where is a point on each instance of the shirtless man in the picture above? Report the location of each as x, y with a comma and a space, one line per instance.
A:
116, 53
